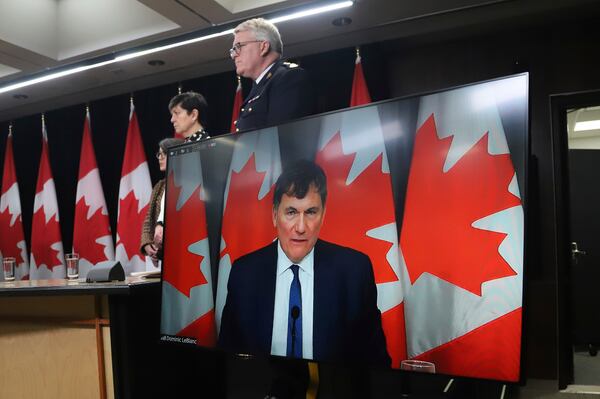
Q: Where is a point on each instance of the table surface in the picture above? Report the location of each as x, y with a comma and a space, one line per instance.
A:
73, 287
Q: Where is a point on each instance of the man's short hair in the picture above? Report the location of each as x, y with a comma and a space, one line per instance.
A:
298, 178
189, 101
263, 30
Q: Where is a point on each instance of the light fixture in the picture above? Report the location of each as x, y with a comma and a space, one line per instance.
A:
587, 125
136, 54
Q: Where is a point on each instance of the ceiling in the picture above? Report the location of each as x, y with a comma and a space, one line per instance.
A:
41, 36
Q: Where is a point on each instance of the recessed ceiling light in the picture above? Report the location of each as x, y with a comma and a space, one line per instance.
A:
155, 63
342, 21
20, 96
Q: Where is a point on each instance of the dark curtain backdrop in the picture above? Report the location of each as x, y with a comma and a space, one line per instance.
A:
331, 74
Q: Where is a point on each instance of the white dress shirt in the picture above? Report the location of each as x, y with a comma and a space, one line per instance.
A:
282, 302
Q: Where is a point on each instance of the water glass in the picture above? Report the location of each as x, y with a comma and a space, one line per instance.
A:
72, 260
8, 266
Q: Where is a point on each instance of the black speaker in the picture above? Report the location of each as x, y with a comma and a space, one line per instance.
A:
109, 270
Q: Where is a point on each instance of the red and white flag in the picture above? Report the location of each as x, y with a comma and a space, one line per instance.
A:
47, 255
135, 189
92, 239
352, 154
237, 104
462, 237
187, 295
360, 91
12, 241
248, 198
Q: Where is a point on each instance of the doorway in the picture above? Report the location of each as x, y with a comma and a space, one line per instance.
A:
576, 133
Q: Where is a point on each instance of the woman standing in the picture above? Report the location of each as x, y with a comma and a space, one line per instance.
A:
151, 243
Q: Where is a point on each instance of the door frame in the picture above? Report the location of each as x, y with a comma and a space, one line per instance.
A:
559, 104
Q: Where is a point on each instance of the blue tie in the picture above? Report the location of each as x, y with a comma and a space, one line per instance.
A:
294, 340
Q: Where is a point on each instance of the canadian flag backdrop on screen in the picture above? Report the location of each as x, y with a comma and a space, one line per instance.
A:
461, 238
187, 301
46, 242
360, 209
251, 181
135, 189
12, 242
92, 239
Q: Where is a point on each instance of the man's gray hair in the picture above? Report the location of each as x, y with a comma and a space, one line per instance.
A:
263, 30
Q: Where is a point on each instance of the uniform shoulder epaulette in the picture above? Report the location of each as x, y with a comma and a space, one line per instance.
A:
290, 65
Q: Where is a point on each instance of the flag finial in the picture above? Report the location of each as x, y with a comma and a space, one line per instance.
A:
239, 79
179, 88
357, 51
87, 109
131, 99
10, 128
43, 120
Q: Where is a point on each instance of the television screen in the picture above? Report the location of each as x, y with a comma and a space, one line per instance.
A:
377, 234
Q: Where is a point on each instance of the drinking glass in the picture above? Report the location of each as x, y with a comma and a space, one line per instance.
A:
8, 266
72, 260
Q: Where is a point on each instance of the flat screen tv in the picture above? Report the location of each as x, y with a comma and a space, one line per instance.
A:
416, 252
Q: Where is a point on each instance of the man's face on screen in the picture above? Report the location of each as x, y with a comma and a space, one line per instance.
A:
298, 222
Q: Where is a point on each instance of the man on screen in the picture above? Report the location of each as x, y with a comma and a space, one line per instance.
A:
301, 296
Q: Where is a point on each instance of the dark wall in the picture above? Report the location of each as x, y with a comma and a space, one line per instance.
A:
560, 58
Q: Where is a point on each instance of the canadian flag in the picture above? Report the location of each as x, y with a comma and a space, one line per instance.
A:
187, 294
360, 91
91, 232
352, 155
135, 189
237, 104
254, 169
462, 237
47, 255
11, 226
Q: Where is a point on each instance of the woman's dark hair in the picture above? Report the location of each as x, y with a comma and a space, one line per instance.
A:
165, 144
189, 101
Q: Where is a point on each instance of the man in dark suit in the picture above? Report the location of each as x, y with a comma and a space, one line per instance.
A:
281, 91
336, 317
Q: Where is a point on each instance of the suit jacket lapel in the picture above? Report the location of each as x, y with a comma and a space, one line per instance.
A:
267, 303
321, 314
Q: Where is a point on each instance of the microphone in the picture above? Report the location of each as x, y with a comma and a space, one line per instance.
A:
295, 315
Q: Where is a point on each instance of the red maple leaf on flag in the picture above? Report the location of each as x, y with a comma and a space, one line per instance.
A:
349, 214
245, 213
131, 229
90, 230
184, 228
11, 236
437, 232
46, 232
